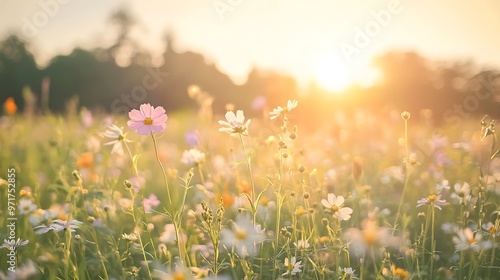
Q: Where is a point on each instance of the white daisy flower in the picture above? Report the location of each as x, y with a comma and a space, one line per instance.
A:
235, 123
279, 110
193, 157
26, 206
243, 236
466, 240
117, 137
292, 266
335, 204
302, 244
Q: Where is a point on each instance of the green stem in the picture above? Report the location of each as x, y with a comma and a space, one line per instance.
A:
164, 174
407, 175
492, 262
433, 242
139, 235
375, 269
249, 167
278, 213
101, 258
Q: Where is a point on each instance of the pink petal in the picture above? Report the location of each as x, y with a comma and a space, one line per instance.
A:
160, 119
146, 109
134, 125
158, 112
157, 128
135, 115
143, 130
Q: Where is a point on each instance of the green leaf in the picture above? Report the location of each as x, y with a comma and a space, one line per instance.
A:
251, 202
135, 159
260, 195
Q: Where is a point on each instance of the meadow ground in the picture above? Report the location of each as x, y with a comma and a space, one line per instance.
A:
362, 197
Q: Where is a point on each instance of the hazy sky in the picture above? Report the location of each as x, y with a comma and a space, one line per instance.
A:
306, 39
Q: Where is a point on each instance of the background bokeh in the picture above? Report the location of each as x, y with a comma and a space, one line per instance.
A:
378, 55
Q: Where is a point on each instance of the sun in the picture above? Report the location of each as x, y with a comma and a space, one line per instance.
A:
332, 73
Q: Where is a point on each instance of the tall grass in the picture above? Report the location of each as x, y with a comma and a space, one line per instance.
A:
253, 206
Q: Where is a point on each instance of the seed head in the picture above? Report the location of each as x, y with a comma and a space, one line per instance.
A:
405, 115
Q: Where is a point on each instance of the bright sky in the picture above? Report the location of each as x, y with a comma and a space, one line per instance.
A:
309, 39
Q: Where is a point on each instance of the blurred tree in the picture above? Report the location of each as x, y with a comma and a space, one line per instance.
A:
17, 69
275, 87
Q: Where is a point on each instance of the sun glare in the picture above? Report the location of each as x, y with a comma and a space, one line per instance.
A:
334, 74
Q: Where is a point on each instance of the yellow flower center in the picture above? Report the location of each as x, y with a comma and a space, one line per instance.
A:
239, 130
471, 241
26, 208
432, 197
370, 236
300, 212
179, 276
148, 121
290, 267
335, 208
241, 234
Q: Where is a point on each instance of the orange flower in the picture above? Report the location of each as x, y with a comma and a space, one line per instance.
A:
401, 273
10, 106
227, 199
245, 187
85, 160
300, 211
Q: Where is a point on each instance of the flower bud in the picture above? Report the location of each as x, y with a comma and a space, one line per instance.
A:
302, 168
405, 115
127, 184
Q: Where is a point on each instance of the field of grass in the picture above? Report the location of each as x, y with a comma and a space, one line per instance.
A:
362, 197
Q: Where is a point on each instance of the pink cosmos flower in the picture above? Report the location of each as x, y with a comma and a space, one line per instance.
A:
148, 119
150, 202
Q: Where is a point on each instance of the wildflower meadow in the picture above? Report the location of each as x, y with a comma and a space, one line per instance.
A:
195, 195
